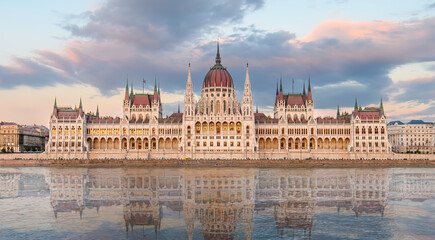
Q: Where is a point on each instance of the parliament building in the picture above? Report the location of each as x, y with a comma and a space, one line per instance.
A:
217, 125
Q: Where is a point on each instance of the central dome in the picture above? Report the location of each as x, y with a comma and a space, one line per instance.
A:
218, 76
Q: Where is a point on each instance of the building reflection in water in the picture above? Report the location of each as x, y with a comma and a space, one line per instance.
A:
222, 203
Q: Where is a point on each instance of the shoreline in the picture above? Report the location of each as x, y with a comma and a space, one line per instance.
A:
220, 163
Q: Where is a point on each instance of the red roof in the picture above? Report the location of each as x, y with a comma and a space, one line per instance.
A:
293, 99
141, 99
68, 114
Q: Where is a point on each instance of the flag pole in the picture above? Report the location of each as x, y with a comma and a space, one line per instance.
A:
143, 85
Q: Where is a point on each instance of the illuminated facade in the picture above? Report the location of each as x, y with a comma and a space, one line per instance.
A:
218, 122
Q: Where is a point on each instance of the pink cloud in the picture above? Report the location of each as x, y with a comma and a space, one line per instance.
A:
352, 30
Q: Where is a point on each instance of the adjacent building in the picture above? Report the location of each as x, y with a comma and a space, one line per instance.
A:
21, 138
416, 136
218, 122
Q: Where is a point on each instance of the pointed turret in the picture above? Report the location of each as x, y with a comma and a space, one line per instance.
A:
381, 108
55, 107
80, 108
276, 94
156, 97
248, 106
338, 111
310, 96
188, 98
218, 55
281, 94
256, 111
356, 104
304, 89
126, 90
178, 108
97, 113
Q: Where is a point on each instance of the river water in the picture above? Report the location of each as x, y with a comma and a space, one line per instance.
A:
217, 203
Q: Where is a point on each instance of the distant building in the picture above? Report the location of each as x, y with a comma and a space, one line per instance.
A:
21, 138
218, 122
414, 136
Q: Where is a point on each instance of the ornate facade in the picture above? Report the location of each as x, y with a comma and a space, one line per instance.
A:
218, 122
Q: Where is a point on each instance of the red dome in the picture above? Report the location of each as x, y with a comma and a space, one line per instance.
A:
218, 76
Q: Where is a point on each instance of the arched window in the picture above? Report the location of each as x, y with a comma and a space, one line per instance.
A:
231, 126
370, 130
218, 107
363, 130
239, 127
376, 130
382, 130
247, 129
198, 127
225, 126
357, 130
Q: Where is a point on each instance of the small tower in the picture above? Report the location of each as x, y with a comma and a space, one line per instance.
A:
55, 107
189, 102
80, 108
156, 104
310, 102
248, 105
381, 109
127, 102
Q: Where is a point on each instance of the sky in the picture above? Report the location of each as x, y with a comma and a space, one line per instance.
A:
87, 49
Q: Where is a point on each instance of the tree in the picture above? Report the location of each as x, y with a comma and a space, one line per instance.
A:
3, 150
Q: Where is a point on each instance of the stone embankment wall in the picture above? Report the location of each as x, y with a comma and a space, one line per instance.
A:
104, 155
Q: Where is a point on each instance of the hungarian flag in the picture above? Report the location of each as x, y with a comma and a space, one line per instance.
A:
144, 80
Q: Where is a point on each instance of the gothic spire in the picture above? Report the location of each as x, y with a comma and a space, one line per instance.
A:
338, 111
126, 89
98, 112
178, 108
189, 77
381, 108
55, 103
309, 83
310, 96
155, 84
356, 104
218, 55
80, 106
280, 84
304, 88
257, 109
